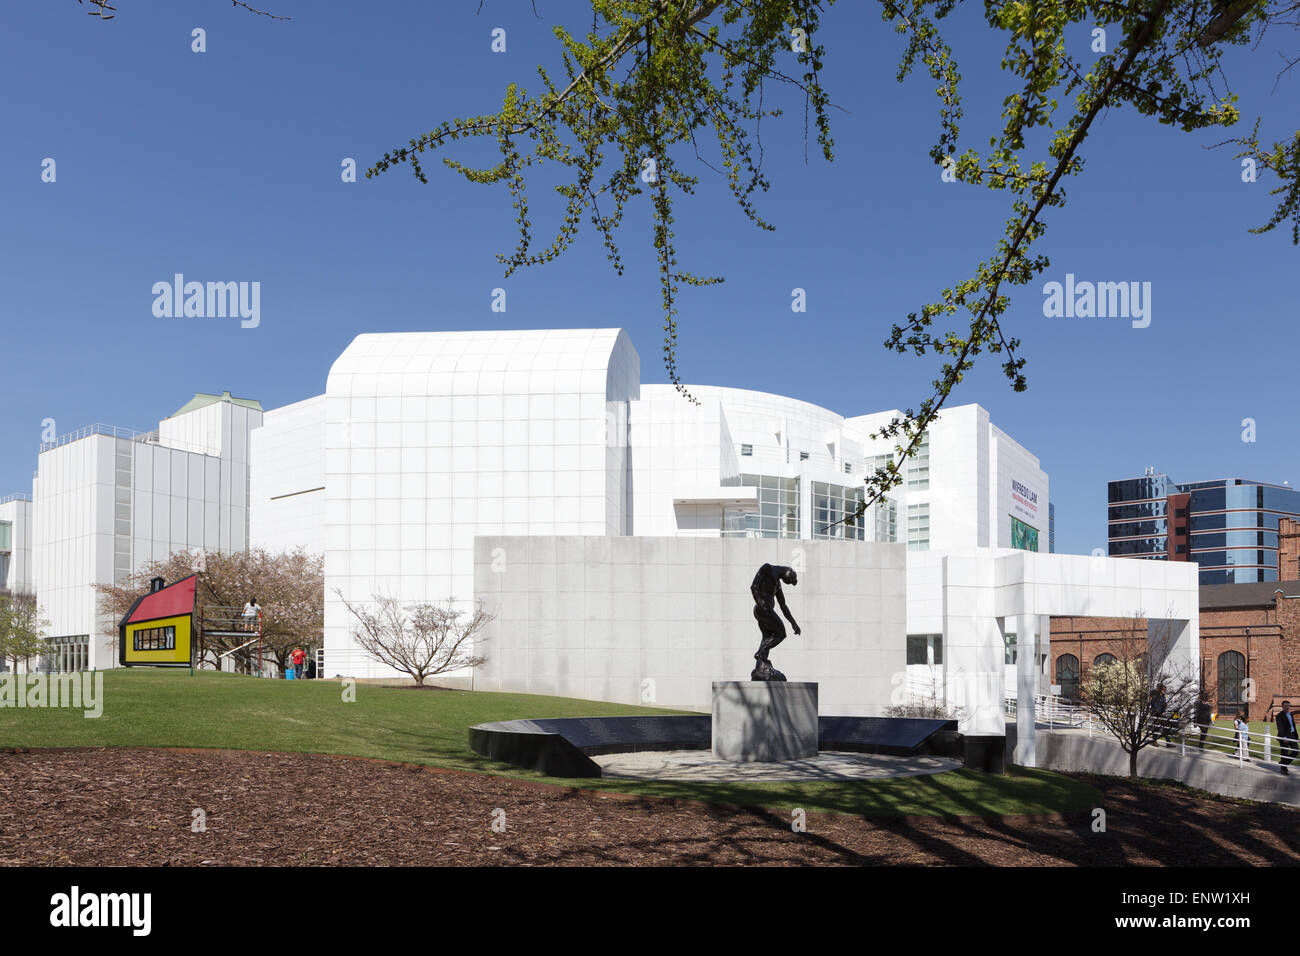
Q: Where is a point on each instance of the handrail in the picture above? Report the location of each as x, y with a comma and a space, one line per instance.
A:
129, 434
1061, 714
20, 496
99, 428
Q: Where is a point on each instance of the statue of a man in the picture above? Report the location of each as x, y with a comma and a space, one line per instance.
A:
766, 589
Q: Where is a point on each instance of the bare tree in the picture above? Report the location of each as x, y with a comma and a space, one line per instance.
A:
927, 698
1142, 694
421, 639
22, 628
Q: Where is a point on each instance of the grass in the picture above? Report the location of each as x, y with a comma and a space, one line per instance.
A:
226, 711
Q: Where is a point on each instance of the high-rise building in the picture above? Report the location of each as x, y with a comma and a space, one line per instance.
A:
1228, 527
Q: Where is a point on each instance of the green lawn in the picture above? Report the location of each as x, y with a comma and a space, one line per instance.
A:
173, 709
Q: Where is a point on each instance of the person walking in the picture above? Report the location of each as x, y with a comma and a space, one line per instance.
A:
1203, 717
298, 657
1158, 721
1243, 736
1286, 735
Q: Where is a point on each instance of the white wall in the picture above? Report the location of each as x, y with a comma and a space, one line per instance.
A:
433, 438
597, 617
972, 596
19, 515
972, 465
287, 487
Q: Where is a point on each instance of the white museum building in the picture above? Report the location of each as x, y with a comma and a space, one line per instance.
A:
612, 527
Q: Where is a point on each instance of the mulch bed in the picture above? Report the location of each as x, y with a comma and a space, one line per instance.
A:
110, 806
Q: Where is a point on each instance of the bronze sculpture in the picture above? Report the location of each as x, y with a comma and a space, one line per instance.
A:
766, 591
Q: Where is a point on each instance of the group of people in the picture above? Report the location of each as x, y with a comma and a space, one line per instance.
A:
1164, 727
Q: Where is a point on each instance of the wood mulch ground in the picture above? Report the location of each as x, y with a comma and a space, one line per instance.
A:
96, 807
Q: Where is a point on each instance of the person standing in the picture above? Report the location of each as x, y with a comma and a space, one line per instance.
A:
251, 612
1243, 736
1286, 735
298, 657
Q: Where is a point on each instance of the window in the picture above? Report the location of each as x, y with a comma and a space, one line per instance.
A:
1009, 647
918, 527
747, 450
886, 520
155, 638
1101, 659
848, 468
67, 654
1067, 675
925, 648
1232, 675
778, 510
878, 463
838, 511
803, 456
918, 466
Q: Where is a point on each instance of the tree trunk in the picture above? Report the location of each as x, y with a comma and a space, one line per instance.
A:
1133, 763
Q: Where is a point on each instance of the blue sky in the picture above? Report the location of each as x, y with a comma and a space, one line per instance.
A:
225, 165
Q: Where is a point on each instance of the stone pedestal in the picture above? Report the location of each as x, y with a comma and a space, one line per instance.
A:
764, 720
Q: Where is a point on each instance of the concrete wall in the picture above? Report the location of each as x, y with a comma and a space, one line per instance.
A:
1075, 751
656, 620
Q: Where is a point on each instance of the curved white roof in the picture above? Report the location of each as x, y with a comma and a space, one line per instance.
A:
561, 361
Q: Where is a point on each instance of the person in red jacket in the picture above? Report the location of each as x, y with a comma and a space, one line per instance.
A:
297, 658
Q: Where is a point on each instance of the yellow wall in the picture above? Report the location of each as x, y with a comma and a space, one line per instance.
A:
179, 655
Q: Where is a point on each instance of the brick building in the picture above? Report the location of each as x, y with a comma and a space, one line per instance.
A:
1250, 639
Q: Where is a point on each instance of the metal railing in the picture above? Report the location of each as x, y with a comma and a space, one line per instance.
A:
17, 497
1174, 733
99, 428
233, 620
1054, 711
116, 431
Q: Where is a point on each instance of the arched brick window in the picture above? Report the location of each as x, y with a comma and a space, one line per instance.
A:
1067, 675
1232, 672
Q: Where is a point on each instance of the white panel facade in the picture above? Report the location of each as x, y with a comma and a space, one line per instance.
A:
434, 438
655, 619
17, 514
288, 479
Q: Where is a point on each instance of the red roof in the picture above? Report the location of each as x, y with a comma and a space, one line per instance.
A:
171, 601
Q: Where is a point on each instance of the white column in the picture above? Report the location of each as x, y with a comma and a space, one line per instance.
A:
1026, 687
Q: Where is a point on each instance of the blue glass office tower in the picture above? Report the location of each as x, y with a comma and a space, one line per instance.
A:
1228, 527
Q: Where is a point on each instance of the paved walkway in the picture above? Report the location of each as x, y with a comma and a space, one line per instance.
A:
702, 766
